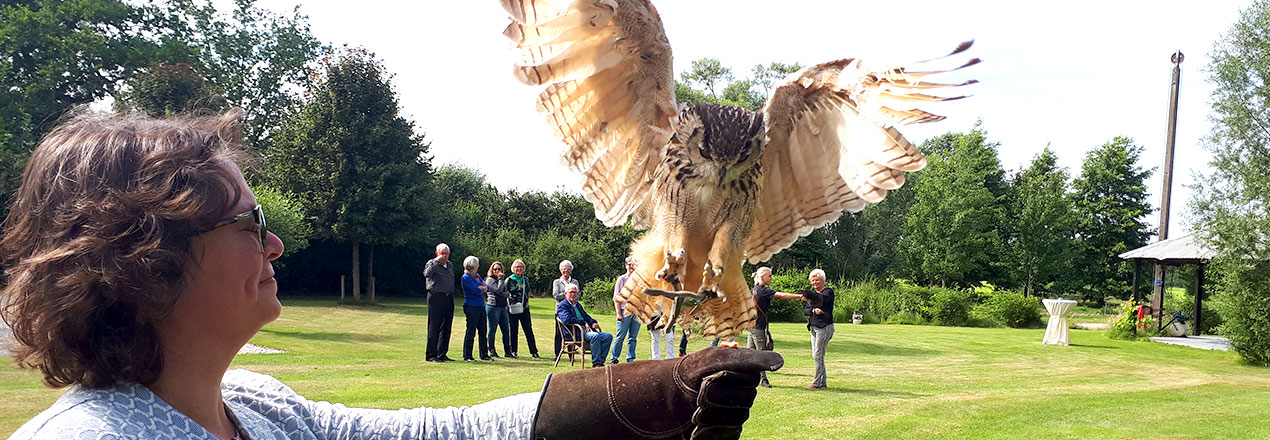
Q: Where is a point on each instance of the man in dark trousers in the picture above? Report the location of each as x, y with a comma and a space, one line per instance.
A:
440, 282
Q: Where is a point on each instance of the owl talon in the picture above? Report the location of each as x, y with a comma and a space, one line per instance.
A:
675, 267
710, 277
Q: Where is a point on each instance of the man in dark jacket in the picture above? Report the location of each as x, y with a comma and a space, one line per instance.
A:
439, 274
570, 312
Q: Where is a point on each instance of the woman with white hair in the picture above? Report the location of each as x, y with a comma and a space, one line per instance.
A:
820, 323
760, 338
474, 290
557, 290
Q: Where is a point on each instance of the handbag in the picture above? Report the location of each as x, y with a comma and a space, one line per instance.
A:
516, 308
769, 346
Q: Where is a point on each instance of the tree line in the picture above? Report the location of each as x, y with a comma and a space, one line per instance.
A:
346, 178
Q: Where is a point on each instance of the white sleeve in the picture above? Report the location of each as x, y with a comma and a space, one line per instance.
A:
290, 414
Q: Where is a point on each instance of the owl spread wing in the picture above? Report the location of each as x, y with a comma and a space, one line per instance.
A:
832, 146
610, 91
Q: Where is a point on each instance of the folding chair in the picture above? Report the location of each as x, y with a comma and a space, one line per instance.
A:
578, 346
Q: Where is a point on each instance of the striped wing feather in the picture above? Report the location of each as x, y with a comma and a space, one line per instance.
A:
609, 91
832, 146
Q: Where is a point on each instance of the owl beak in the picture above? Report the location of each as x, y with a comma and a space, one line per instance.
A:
723, 173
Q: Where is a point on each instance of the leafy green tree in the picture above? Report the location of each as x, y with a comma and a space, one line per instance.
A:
952, 233
251, 56
1041, 224
286, 219
165, 89
709, 74
1230, 202
58, 54
354, 161
766, 76
1110, 201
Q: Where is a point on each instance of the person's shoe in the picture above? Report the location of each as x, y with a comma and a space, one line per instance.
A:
513, 356
432, 360
493, 355
597, 365
683, 353
612, 361
445, 358
813, 387
488, 359
765, 384
469, 359
536, 356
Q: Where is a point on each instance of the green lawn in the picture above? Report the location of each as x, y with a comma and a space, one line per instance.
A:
885, 381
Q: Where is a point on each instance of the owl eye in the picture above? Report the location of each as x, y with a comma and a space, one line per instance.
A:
704, 153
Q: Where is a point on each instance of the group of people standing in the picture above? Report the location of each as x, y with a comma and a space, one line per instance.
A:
499, 302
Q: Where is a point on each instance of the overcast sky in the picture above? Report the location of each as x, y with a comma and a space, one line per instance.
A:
1071, 75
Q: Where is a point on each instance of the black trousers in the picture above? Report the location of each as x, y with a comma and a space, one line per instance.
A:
440, 319
523, 320
475, 329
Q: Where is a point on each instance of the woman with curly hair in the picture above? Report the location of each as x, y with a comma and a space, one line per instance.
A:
139, 263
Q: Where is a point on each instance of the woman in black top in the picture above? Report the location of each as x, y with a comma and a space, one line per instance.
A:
760, 337
820, 323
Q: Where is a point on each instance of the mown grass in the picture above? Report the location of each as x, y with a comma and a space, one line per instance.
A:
885, 381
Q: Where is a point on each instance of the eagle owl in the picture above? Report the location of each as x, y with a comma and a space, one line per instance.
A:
713, 185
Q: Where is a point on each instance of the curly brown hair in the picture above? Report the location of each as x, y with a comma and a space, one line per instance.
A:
97, 240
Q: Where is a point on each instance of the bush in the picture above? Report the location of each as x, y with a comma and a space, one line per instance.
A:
1243, 300
951, 306
597, 295
1123, 327
907, 318
1010, 309
789, 310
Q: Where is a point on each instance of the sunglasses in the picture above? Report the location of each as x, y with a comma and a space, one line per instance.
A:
255, 215
498, 269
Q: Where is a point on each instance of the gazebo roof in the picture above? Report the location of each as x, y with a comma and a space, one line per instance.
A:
1183, 249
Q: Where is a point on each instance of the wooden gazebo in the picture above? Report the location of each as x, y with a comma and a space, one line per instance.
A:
1177, 251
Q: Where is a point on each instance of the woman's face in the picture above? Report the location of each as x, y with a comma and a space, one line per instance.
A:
231, 287
518, 268
765, 279
497, 270
565, 271
817, 282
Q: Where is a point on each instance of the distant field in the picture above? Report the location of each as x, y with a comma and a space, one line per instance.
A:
885, 381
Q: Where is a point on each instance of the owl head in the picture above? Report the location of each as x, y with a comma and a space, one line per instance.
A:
723, 139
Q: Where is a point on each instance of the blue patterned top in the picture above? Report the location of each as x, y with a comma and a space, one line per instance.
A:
268, 409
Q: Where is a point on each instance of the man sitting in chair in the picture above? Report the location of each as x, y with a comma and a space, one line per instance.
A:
571, 312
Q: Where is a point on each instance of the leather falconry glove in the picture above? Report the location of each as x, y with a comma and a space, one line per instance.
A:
705, 395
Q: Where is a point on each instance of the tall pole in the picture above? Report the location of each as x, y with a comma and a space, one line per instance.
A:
1157, 300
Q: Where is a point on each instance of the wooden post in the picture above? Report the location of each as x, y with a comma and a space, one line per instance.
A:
1137, 267
1157, 300
341, 288
1199, 298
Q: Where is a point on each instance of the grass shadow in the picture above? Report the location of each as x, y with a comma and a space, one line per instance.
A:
328, 336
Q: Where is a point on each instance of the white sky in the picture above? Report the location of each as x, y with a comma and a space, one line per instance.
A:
1072, 74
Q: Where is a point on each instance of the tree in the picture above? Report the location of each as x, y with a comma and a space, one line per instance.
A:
56, 55
1231, 202
356, 164
1042, 225
1110, 203
708, 73
765, 76
952, 233
166, 89
250, 58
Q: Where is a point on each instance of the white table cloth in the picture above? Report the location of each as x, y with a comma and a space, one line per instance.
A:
1056, 333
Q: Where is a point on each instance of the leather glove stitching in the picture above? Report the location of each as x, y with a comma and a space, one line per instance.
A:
683, 386
617, 411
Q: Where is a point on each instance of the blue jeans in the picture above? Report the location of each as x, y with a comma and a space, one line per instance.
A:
498, 320
628, 326
599, 345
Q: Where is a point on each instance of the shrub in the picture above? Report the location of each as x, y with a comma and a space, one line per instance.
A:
1243, 300
597, 295
951, 306
1011, 309
1123, 327
906, 317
